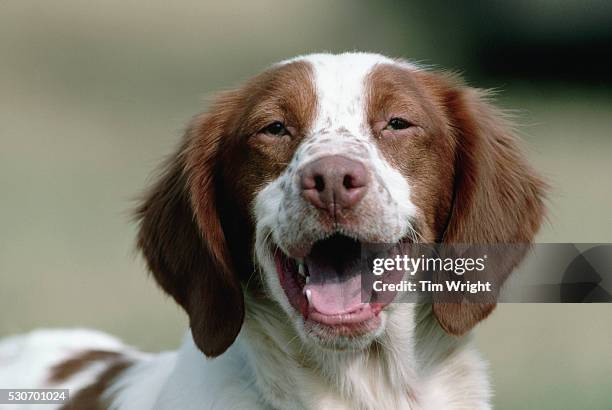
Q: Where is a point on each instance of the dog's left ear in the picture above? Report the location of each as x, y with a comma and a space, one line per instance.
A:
498, 197
182, 238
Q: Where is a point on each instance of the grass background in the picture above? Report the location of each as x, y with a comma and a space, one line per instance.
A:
93, 95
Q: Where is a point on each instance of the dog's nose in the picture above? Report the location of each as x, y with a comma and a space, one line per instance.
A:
334, 183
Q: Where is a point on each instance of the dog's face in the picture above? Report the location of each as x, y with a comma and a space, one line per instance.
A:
293, 174
352, 162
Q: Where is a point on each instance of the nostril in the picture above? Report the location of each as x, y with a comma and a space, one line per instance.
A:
347, 182
319, 183
353, 181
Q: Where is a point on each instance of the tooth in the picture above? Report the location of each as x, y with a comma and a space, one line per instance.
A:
301, 268
308, 295
307, 279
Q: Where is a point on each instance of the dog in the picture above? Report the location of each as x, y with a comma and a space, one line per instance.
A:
252, 227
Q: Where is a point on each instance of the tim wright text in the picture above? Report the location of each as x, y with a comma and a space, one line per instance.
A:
429, 286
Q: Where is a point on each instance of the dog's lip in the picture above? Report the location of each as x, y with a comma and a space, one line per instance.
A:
290, 282
356, 326
359, 315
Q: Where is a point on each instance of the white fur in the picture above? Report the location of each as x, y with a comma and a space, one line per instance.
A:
409, 364
268, 367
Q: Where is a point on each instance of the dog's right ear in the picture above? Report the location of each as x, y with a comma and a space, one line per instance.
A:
498, 197
182, 239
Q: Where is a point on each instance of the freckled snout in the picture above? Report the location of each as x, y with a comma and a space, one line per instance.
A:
334, 183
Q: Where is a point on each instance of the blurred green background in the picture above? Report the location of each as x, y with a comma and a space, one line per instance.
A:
94, 94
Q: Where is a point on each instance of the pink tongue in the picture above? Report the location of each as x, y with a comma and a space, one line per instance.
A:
331, 296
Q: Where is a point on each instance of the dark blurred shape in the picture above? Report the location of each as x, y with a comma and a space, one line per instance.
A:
532, 40
582, 281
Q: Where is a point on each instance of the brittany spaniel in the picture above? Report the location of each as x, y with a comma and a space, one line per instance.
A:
253, 225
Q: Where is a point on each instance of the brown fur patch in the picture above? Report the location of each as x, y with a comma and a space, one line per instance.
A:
423, 153
73, 365
90, 397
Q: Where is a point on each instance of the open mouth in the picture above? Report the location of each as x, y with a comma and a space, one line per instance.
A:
326, 285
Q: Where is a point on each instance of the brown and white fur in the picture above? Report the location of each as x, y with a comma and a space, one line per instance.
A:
427, 159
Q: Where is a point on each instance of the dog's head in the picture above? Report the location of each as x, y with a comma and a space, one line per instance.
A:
286, 176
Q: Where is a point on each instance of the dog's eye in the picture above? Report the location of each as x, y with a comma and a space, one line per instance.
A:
276, 128
397, 123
